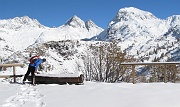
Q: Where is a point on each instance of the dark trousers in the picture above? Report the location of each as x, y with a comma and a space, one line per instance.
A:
31, 69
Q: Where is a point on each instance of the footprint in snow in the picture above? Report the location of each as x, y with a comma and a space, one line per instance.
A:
28, 96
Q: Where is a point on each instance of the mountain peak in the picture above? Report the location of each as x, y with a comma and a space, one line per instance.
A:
90, 24
75, 22
26, 18
133, 13
174, 20
19, 22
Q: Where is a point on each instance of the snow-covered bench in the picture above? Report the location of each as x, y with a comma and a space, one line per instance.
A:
58, 79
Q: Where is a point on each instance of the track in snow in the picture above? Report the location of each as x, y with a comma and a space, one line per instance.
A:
28, 95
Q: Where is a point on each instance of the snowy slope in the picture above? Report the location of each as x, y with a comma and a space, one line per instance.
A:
91, 94
17, 32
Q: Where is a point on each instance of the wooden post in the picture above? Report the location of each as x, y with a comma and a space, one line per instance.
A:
175, 72
165, 74
14, 70
14, 73
133, 73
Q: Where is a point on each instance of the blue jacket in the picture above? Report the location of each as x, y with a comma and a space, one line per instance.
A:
36, 63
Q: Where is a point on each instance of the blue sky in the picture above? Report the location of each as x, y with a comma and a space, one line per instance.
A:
56, 12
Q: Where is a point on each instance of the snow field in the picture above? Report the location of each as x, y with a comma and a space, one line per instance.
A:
91, 94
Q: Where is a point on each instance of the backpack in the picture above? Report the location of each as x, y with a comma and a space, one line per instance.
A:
34, 58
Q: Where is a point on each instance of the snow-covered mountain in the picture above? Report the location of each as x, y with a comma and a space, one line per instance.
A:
134, 22
20, 23
173, 20
140, 33
22, 36
20, 32
73, 29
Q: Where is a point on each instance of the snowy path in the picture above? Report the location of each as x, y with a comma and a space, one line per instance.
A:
28, 95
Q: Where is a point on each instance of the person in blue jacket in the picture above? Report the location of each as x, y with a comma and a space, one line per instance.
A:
33, 69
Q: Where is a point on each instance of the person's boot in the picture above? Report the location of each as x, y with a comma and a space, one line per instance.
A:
33, 80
